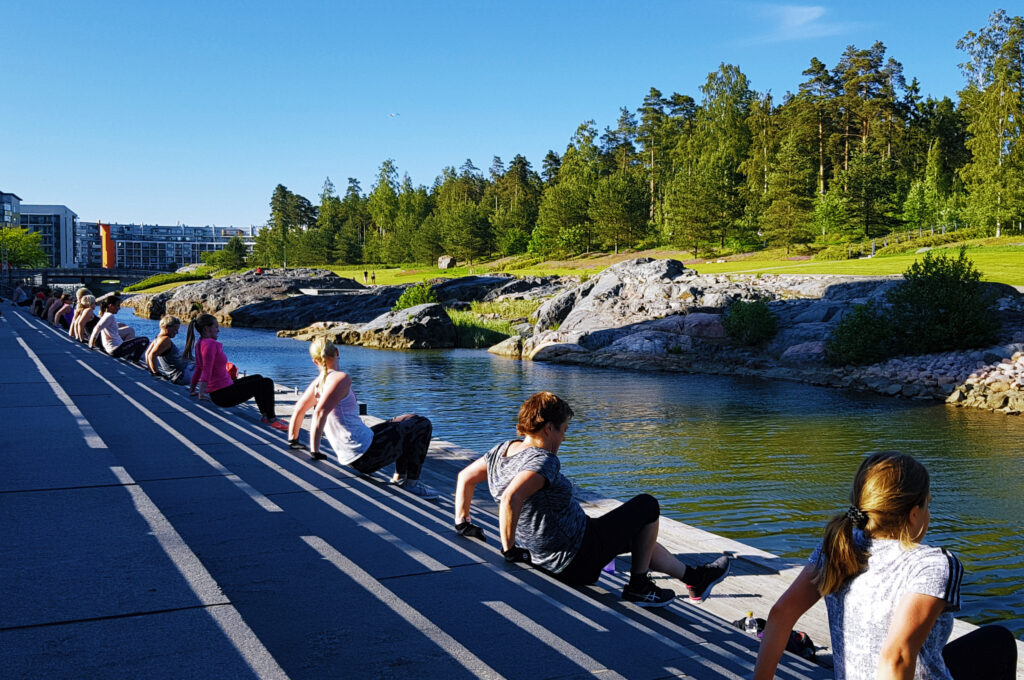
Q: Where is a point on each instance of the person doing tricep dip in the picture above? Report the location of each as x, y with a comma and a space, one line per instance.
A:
890, 599
541, 523
211, 380
403, 440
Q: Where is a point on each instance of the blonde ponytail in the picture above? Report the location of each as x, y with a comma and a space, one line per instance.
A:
887, 487
320, 350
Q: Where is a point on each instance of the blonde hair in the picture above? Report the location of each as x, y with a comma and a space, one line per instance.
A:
82, 292
196, 325
169, 321
319, 350
87, 301
888, 485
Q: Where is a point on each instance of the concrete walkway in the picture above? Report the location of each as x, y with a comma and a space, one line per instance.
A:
148, 536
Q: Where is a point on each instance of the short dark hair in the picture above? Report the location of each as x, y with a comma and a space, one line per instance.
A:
539, 410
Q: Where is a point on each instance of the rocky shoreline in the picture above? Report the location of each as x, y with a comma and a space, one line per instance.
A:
640, 314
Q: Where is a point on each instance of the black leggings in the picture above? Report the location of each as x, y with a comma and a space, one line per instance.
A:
988, 653
250, 387
403, 440
131, 349
609, 535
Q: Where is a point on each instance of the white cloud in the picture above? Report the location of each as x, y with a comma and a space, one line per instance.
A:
785, 23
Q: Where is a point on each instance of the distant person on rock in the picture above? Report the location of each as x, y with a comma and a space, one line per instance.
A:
364, 277
162, 356
211, 380
403, 440
543, 524
373, 278
112, 338
890, 598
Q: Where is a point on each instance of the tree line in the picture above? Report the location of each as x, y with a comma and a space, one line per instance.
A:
855, 153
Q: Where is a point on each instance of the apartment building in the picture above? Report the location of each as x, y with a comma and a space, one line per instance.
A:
154, 247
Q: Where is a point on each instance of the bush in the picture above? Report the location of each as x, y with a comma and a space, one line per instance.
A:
841, 252
415, 295
163, 279
863, 336
941, 305
750, 323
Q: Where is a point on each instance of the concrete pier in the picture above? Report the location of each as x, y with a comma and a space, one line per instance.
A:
146, 535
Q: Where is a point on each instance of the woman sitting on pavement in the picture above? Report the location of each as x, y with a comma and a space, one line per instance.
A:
63, 312
211, 380
113, 340
84, 320
890, 599
403, 440
162, 356
541, 522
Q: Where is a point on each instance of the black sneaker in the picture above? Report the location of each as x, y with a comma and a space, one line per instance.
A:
646, 594
700, 580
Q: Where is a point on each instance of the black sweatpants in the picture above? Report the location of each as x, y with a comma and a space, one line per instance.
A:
403, 440
131, 349
250, 387
609, 535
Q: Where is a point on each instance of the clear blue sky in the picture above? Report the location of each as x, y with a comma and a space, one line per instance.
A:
192, 112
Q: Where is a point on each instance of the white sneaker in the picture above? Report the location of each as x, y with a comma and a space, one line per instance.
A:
418, 488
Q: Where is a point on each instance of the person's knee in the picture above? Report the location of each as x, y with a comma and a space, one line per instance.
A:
647, 508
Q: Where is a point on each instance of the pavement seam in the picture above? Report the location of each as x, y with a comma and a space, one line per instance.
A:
114, 617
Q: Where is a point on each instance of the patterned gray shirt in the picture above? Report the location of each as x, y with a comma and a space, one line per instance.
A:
860, 612
551, 523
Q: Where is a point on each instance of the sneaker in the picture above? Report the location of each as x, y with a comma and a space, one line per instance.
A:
700, 580
276, 424
418, 488
646, 594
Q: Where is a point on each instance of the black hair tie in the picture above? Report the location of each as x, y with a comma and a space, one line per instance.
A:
857, 516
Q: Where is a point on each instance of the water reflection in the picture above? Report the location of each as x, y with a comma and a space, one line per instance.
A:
762, 462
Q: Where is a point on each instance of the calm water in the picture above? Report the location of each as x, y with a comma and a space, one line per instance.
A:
765, 463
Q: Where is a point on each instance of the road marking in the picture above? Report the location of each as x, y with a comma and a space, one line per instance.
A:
252, 493
459, 653
92, 440
202, 583
570, 652
415, 553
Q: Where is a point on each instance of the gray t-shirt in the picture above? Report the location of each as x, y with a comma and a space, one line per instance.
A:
552, 523
860, 612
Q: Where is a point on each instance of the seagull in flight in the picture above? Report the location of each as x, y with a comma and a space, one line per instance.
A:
394, 115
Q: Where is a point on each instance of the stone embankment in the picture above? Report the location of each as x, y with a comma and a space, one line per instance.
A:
998, 387
656, 314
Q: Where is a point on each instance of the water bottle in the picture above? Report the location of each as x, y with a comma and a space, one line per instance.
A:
750, 624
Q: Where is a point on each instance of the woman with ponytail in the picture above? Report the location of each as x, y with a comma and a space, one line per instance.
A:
211, 380
890, 599
402, 440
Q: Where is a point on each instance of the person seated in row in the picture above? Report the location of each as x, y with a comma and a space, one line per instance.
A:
84, 319
403, 440
38, 305
20, 298
115, 341
162, 356
65, 310
890, 599
211, 380
542, 523
53, 301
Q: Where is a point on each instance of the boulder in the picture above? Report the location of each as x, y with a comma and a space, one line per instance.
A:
445, 262
704, 326
804, 353
528, 288
424, 326
221, 297
468, 287
654, 343
555, 350
301, 310
509, 347
553, 312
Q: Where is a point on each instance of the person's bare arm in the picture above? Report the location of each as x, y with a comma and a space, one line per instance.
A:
911, 623
525, 484
336, 388
798, 598
302, 406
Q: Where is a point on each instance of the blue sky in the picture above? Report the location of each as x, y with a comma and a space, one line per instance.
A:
193, 112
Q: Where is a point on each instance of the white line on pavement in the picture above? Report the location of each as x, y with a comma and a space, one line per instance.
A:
261, 500
92, 439
202, 583
456, 650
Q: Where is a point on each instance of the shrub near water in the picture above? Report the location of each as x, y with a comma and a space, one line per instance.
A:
750, 323
162, 279
415, 295
939, 306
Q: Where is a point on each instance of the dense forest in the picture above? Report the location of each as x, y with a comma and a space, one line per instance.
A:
855, 153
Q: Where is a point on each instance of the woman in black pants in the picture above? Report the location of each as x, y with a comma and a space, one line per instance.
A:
212, 380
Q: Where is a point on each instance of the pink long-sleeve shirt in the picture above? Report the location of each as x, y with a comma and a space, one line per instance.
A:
211, 365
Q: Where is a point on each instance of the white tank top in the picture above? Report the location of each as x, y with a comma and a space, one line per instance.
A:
345, 430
